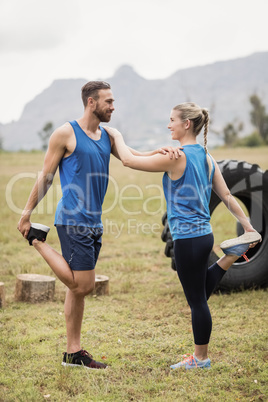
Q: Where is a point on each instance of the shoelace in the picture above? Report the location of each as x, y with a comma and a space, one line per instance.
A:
244, 255
190, 359
85, 353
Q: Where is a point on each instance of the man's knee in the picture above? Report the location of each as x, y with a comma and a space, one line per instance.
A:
83, 283
88, 289
82, 288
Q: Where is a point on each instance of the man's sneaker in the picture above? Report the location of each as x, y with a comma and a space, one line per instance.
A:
37, 231
240, 245
81, 358
192, 362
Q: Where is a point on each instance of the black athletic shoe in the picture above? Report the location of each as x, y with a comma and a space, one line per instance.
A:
37, 231
81, 358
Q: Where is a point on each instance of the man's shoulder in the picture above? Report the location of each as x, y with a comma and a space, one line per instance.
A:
63, 132
65, 129
62, 136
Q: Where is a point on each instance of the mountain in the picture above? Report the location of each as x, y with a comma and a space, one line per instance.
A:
143, 106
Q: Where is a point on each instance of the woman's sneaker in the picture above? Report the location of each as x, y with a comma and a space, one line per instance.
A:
192, 362
37, 231
240, 245
81, 358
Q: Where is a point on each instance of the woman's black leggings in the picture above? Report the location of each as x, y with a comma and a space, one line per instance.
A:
198, 281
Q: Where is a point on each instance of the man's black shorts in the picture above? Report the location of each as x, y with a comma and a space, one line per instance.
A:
80, 246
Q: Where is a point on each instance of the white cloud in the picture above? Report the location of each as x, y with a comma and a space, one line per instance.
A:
30, 25
43, 40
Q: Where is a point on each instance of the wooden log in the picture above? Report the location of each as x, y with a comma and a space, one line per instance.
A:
34, 288
101, 286
2, 295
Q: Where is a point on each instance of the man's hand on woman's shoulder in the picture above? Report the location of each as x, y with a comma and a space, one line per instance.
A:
172, 151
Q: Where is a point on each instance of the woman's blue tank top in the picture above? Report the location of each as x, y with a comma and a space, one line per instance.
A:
84, 179
188, 197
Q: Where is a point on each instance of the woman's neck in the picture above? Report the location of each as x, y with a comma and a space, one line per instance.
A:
188, 141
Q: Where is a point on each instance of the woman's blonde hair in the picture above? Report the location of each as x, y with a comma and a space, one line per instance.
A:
199, 118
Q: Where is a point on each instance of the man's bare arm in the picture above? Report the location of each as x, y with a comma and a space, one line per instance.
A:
55, 152
153, 163
172, 151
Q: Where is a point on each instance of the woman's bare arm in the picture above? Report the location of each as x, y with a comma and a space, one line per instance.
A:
220, 188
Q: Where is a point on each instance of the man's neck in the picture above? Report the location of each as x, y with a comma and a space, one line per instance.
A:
90, 124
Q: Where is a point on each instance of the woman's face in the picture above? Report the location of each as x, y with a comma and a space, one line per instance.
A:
176, 125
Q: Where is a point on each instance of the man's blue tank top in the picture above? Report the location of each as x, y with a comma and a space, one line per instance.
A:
84, 179
188, 197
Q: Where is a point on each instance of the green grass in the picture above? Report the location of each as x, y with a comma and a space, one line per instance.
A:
144, 325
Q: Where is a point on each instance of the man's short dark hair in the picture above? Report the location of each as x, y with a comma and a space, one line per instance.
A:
91, 89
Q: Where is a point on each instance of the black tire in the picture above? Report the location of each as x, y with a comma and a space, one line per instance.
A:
249, 184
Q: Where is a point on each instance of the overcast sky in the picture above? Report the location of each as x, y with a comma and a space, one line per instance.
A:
44, 40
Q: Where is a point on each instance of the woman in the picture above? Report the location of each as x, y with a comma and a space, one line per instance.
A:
187, 183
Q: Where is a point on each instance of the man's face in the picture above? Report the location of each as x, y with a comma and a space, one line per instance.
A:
104, 105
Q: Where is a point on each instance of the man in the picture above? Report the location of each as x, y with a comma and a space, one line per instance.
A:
82, 150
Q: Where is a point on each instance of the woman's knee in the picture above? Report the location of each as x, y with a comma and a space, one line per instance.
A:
197, 302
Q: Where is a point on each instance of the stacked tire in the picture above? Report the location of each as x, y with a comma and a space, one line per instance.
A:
249, 184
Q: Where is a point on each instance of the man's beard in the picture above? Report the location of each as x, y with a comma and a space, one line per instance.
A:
102, 116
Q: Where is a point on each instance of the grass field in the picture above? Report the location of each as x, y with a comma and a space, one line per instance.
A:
144, 325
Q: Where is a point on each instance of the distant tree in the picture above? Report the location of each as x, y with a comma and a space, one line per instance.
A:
252, 140
231, 133
258, 117
45, 134
1, 142
212, 128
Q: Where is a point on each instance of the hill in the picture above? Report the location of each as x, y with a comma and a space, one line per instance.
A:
143, 106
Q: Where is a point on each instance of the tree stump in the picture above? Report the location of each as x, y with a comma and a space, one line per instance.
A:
34, 288
101, 286
2, 295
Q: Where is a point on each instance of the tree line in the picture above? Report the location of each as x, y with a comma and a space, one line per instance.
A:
231, 131
259, 120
